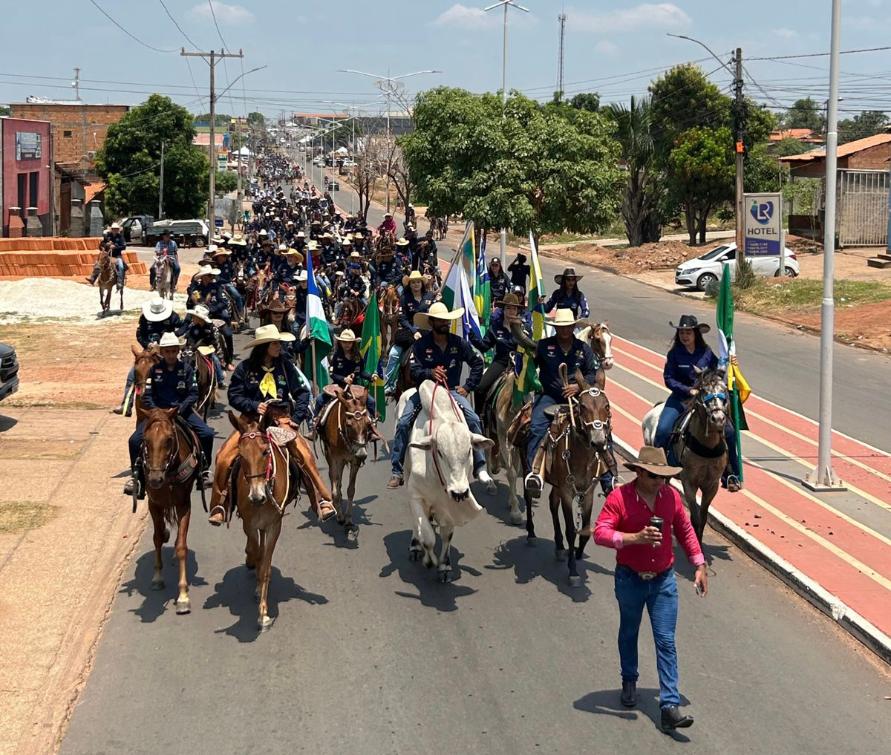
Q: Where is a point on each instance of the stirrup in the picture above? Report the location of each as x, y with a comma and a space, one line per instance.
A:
533, 485
214, 509
735, 481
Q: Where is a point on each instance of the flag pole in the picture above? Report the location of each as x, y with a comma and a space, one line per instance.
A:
458, 250
315, 368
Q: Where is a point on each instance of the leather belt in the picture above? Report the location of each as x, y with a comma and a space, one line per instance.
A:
647, 576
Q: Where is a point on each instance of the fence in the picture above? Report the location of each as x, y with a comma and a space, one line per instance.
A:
863, 207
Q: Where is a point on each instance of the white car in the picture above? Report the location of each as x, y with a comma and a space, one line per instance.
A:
702, 271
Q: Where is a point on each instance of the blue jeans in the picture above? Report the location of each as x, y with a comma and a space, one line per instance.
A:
671, 412
539, 426
218, 368
131, 378
407, 420
236, 297
393, 360
119, 268
202, 430
660, 596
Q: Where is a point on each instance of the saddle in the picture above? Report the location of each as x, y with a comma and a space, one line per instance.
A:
194, 460
518, 432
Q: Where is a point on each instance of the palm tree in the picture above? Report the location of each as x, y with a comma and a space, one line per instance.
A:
645, 190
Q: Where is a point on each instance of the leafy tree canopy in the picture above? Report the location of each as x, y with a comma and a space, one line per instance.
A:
256, 119
804, 113
867, 123
589, 101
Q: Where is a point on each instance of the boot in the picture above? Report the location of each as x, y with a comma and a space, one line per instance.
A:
135, 483
673, 719
629, 694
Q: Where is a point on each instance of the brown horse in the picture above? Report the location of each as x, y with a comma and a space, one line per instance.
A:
261, 485
504, 455
575, 455
345, 433
170, 463
352, 316
206, 377
390, 310
107, 280
144, 360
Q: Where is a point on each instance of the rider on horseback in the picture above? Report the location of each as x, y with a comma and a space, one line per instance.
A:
563, 348
114, 241
171, 384
205, 290
568, 295
198, 331
689, 353
226, 277
166, 247
414, 299
439, 355
498, 337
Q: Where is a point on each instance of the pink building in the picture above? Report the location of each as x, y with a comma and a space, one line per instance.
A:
26, 154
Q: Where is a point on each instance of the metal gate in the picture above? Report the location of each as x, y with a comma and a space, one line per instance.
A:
863, 207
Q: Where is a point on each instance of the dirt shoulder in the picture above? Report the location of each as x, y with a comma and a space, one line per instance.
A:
66, 531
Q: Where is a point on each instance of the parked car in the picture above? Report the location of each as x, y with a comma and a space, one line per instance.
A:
185, 233
135, 228
9, 371
706, 269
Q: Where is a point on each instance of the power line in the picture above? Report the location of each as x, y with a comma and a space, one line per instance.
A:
127, 32
823, 54
176, 24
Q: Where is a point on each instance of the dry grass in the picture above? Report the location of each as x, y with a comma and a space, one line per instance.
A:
23, 516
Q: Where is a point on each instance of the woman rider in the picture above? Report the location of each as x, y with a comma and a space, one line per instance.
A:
414, 299
568, 296
268, 376
688, 353
499, 285
497, 337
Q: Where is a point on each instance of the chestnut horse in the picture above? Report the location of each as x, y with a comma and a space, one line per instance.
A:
390, 310
145, 359
170, 463
345, 433
107, 280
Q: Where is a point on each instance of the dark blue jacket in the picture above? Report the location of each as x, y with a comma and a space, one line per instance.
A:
197, 333
341, 367
426, 355
211, 296
167, 387
410, 307
244, 388
498, 287
679, 372
386, 271
575, 301
151, 332
549, 356
227, 273
498, 336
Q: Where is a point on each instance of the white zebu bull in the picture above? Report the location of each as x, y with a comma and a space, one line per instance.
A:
439, 467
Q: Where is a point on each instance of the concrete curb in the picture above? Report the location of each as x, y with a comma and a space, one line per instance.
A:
848, 619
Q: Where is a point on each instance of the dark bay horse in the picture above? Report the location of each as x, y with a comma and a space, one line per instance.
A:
575, 456
390, 310
170, 463
107, 280
345, 433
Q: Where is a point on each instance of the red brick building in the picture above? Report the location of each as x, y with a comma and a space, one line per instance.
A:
26, 155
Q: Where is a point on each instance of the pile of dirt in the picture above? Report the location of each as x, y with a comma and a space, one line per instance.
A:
662, 255
863, 325
802, 245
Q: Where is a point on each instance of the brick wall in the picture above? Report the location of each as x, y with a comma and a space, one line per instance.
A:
78, 129
873, 158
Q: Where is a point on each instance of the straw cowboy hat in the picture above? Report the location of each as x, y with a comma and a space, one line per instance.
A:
653, 460
237, 240
355, 256
221, 253
157, 309
312, 245
206, 271
347, 336
211, 250
512, 300
402, 242
170, 339
563, 317
293, 253
269, 334
568, 272
689, 322
414, 276
200, 312
437, 311
276, 305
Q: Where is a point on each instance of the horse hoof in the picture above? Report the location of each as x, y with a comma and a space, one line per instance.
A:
561, 555
157, 584
183, 606
516, 517
166, 535
575, 580
264, 623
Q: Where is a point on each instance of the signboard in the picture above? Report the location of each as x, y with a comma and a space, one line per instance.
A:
218, 222
763, 224
27, 145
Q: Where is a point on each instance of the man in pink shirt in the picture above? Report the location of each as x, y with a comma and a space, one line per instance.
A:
637, 520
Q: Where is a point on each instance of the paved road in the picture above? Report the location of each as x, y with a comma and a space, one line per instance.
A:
370, 654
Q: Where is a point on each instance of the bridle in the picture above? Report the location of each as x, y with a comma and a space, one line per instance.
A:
433, 448
270, 471
171, 458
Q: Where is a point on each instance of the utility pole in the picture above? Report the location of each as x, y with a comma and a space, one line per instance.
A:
823, 478
739, 122
212, 58
76, 83
561, 53
161, 186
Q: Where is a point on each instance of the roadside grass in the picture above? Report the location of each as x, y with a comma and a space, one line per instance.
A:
769, 296
21, 516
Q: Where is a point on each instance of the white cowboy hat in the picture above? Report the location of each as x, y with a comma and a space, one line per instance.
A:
301, 235
170, 339
207, 271
402, 242
200, 311
115, 227
563, 317
355, 255
346, 242
283, 247
211, 249
269, 334
312, 244
347, 336
237, 240
263, 232
157, 309
302, 276
437, 311
218, 240
227, 235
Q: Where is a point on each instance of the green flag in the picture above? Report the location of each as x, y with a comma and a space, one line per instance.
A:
370, 349
736, 383
527, 381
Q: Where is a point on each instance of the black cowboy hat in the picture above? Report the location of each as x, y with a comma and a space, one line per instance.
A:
689, 322
568, 272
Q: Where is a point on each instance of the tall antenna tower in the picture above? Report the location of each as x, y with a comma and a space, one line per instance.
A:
560, 50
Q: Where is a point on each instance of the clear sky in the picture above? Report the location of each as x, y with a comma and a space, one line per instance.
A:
612, 47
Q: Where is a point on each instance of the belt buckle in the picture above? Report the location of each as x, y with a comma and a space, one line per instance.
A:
646, 576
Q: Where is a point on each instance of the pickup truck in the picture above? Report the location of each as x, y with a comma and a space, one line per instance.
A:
9, 371
186, 233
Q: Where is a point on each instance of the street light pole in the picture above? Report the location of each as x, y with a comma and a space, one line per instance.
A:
505, 4
823, 478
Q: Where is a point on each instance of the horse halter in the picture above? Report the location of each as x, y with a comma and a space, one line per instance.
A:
171, 458
267, 452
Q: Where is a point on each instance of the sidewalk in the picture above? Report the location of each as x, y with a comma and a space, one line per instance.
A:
65, 535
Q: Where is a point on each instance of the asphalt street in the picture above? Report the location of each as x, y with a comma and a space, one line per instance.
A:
369, 654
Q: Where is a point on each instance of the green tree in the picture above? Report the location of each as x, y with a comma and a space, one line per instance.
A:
225, 181
790, 147
4, 110
589, 101
129, 161
804, 113
867, 123
681, 99
533, 170
644, 197
256, 119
